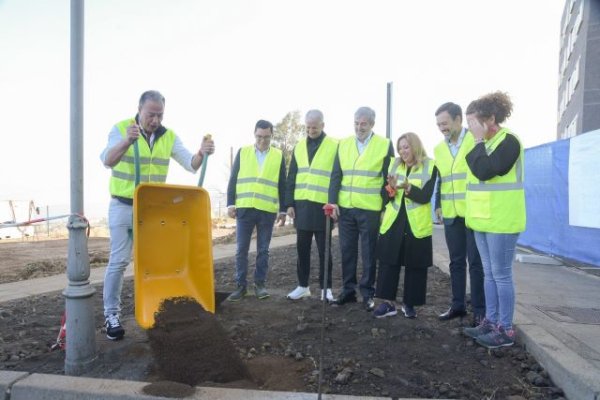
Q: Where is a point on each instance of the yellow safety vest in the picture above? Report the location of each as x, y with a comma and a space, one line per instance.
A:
154, 164
313, 180
362, 180
497, 205
419, 215
453, 174
258, 187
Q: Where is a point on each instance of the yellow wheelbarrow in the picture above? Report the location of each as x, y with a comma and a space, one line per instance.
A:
172, 248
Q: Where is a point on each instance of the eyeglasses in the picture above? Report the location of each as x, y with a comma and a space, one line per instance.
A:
259, 137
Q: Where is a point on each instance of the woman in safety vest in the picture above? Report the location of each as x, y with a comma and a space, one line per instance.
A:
406, 228
495, 210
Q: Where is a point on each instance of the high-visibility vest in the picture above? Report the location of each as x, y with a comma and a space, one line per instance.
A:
258, 187
419, 215
312, 180
453, 175
362, 180
497, 205
154, 164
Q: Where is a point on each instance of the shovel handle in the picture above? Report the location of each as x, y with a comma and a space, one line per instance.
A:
204, 162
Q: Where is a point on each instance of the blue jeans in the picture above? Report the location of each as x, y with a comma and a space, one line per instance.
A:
497, 251
246, 220
120, 217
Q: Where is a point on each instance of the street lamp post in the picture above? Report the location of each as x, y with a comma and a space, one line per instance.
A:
81, 339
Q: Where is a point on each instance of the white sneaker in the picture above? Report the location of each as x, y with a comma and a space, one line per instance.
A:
329, 295
299, 293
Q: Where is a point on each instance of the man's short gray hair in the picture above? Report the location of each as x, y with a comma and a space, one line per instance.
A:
152, 95
314, 114
365, 112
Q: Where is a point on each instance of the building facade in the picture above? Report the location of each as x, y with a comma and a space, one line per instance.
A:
579, 69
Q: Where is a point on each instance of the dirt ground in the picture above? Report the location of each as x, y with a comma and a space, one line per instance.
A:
279, 341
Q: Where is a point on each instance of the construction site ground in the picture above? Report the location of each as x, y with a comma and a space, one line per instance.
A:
279, 340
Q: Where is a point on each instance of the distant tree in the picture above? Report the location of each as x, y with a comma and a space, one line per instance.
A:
287, 133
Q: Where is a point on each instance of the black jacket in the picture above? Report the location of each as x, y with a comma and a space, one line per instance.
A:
233, 182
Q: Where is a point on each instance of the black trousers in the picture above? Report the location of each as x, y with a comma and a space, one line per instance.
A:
462, 247
303, 245
415, 284
355, 224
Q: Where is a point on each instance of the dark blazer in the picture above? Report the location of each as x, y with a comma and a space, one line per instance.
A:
337, 175
233, 181
418, 253
309, 215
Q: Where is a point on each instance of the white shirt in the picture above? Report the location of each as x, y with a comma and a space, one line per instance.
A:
179, 152
455, 147
361, 146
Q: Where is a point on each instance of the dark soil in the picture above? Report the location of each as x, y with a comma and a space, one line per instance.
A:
279, 342
189, 346
169, 389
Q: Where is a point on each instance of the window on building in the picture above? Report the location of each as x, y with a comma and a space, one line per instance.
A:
571, 43
578, 19
575, 76
572, 128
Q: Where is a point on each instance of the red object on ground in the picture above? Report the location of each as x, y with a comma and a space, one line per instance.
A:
61, 339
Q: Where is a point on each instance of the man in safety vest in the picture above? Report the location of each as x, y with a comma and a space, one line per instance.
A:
357, 191
156, 147
254, 198
307, 187
450, 206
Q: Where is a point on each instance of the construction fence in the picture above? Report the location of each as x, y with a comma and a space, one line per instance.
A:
562, 191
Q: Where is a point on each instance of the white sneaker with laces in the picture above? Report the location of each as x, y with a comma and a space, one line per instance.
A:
299, 293
329, 295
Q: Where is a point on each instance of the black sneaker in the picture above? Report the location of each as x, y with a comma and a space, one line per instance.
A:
114, 329
368, 304
238, 294
409, 311
260, 290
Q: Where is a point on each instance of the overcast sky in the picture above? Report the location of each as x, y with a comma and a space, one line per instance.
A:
224, 64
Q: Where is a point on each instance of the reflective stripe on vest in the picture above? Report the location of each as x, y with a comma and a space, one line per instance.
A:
154, 164
258, 187
497, 205
312, 181
453, 175
362, 180
419, 215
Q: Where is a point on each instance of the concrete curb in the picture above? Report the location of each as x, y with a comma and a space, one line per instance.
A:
51, 387
577, 377
573, 374
7, 379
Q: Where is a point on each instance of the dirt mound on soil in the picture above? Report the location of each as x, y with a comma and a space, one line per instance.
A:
189, 345
168, 389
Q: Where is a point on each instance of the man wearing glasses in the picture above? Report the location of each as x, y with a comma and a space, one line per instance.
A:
255, 196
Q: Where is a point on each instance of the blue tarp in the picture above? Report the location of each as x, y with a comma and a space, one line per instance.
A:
547, 198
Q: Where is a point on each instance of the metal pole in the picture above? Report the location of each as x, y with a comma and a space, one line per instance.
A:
81, 335
388, 123
328, 209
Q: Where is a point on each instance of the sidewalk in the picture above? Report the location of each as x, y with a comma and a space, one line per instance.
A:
30, 287
557, 319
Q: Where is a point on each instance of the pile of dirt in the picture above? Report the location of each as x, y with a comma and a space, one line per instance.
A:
189, 345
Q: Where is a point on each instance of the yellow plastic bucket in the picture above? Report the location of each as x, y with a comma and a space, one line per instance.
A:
172, 248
